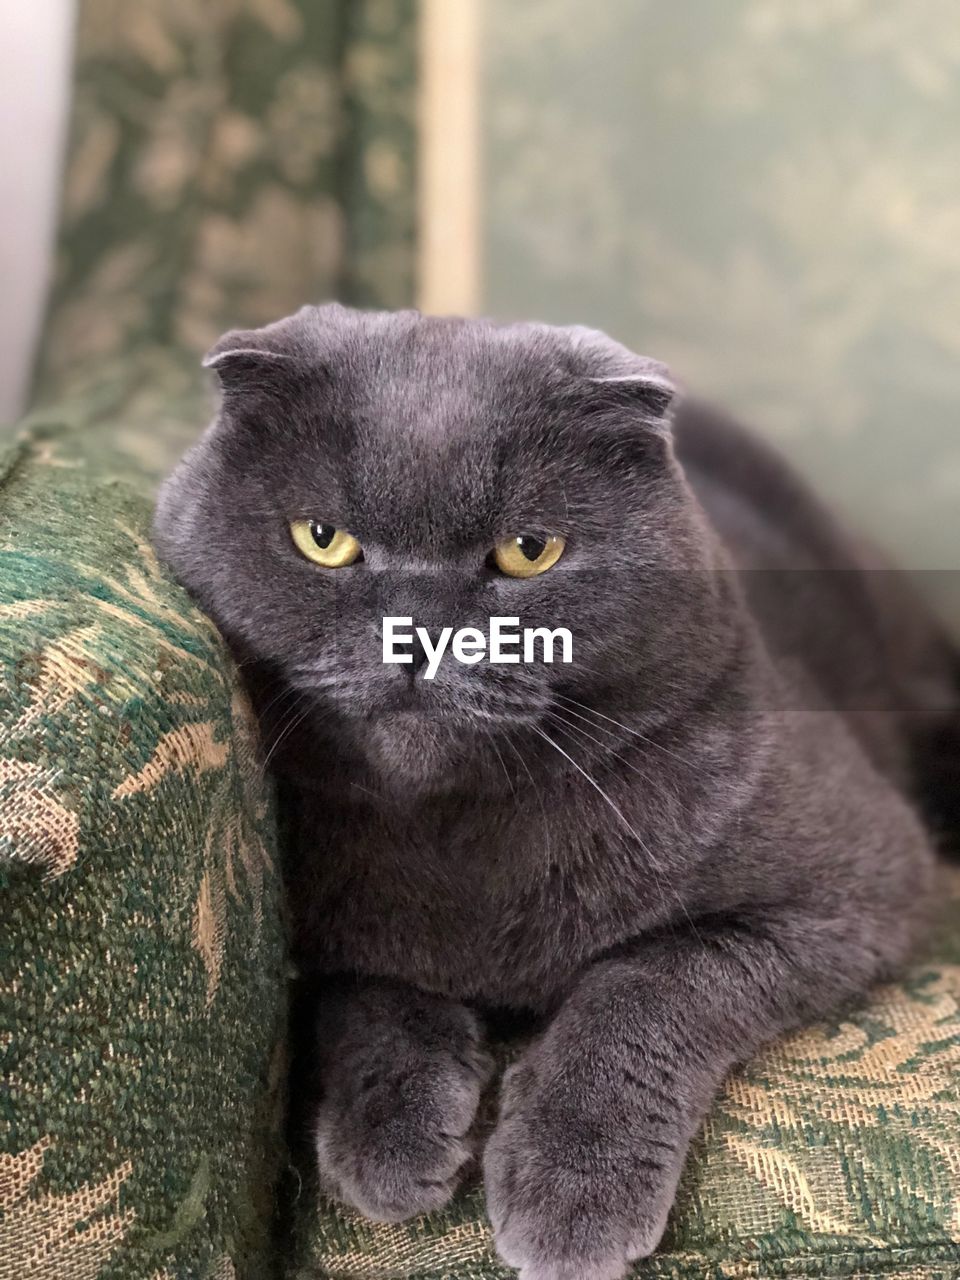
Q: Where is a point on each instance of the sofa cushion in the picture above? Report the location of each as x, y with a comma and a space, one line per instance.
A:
142, 969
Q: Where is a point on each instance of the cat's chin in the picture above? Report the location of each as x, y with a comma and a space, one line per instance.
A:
414, 753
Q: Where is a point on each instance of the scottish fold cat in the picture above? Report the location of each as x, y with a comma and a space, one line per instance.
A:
696, 834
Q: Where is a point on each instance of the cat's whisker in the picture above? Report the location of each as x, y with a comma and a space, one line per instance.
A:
600, 791
502, 717
240, 663
366, 791
537, 792
290, 728
289, 713
654, 864
625, 727
301, 709
649, 779
330, 682
317, 670
285, 692
615, 681
334, 680
490, 738
605, 747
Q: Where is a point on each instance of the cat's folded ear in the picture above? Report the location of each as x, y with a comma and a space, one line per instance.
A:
248, 358
619, 377
244, 358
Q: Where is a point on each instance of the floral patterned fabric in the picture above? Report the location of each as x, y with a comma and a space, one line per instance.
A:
142, 971
229, 162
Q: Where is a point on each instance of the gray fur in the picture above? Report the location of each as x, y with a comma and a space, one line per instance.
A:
718, 843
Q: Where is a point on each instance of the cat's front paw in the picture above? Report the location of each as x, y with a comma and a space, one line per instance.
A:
574, 1192
393, 1140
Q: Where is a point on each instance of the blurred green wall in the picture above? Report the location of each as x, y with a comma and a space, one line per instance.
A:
767, 195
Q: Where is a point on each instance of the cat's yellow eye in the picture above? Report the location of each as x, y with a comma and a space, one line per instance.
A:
527, 554
324, 544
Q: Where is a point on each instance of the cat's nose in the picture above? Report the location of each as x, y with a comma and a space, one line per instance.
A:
419, 654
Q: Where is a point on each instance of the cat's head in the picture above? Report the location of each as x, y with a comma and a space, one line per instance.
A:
365, 465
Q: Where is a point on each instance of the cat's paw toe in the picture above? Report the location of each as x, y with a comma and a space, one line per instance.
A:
568, 1202
393, 1174
550, 1237
396, 1146
613, 1267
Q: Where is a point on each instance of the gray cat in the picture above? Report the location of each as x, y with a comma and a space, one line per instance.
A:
695, 835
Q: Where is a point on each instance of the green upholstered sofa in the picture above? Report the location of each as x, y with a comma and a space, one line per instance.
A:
143, 975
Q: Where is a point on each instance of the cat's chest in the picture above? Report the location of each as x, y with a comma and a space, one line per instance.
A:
503, 913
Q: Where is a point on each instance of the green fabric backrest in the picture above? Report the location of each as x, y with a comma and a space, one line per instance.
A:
229, 161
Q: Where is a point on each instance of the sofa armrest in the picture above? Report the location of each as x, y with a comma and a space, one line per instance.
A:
143, 965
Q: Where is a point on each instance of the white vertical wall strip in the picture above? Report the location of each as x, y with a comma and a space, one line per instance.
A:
36, 42
449, 157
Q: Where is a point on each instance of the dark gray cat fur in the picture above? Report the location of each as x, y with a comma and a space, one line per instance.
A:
716, 843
